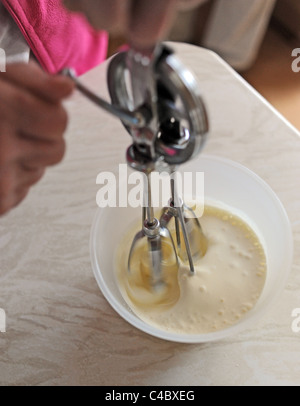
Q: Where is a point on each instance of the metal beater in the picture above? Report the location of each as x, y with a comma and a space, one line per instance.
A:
158, 101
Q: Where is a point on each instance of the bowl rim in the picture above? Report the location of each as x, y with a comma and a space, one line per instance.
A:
127, 314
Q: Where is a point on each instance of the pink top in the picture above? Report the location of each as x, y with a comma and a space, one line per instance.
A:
58, 38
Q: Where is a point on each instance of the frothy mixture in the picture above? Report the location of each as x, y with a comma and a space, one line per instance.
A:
227, 282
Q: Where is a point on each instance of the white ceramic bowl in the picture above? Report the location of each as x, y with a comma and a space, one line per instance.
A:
236, 187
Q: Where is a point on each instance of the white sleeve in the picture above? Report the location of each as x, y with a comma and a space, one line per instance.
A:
13, 46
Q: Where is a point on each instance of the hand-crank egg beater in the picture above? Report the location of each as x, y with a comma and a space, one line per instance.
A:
158, 101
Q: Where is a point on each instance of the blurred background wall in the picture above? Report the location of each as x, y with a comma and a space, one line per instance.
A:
256, 37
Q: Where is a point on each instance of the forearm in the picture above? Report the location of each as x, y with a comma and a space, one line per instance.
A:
141, 22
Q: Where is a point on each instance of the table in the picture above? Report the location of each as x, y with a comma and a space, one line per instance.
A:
61, 331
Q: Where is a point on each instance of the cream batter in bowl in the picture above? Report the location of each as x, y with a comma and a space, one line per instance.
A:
227, 185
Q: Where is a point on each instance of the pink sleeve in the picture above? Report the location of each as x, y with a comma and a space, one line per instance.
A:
57, 38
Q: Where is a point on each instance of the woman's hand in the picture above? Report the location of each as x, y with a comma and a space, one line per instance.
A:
142, 22
32, 123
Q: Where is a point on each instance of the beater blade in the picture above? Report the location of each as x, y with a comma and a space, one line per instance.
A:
152, 248
187, 227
